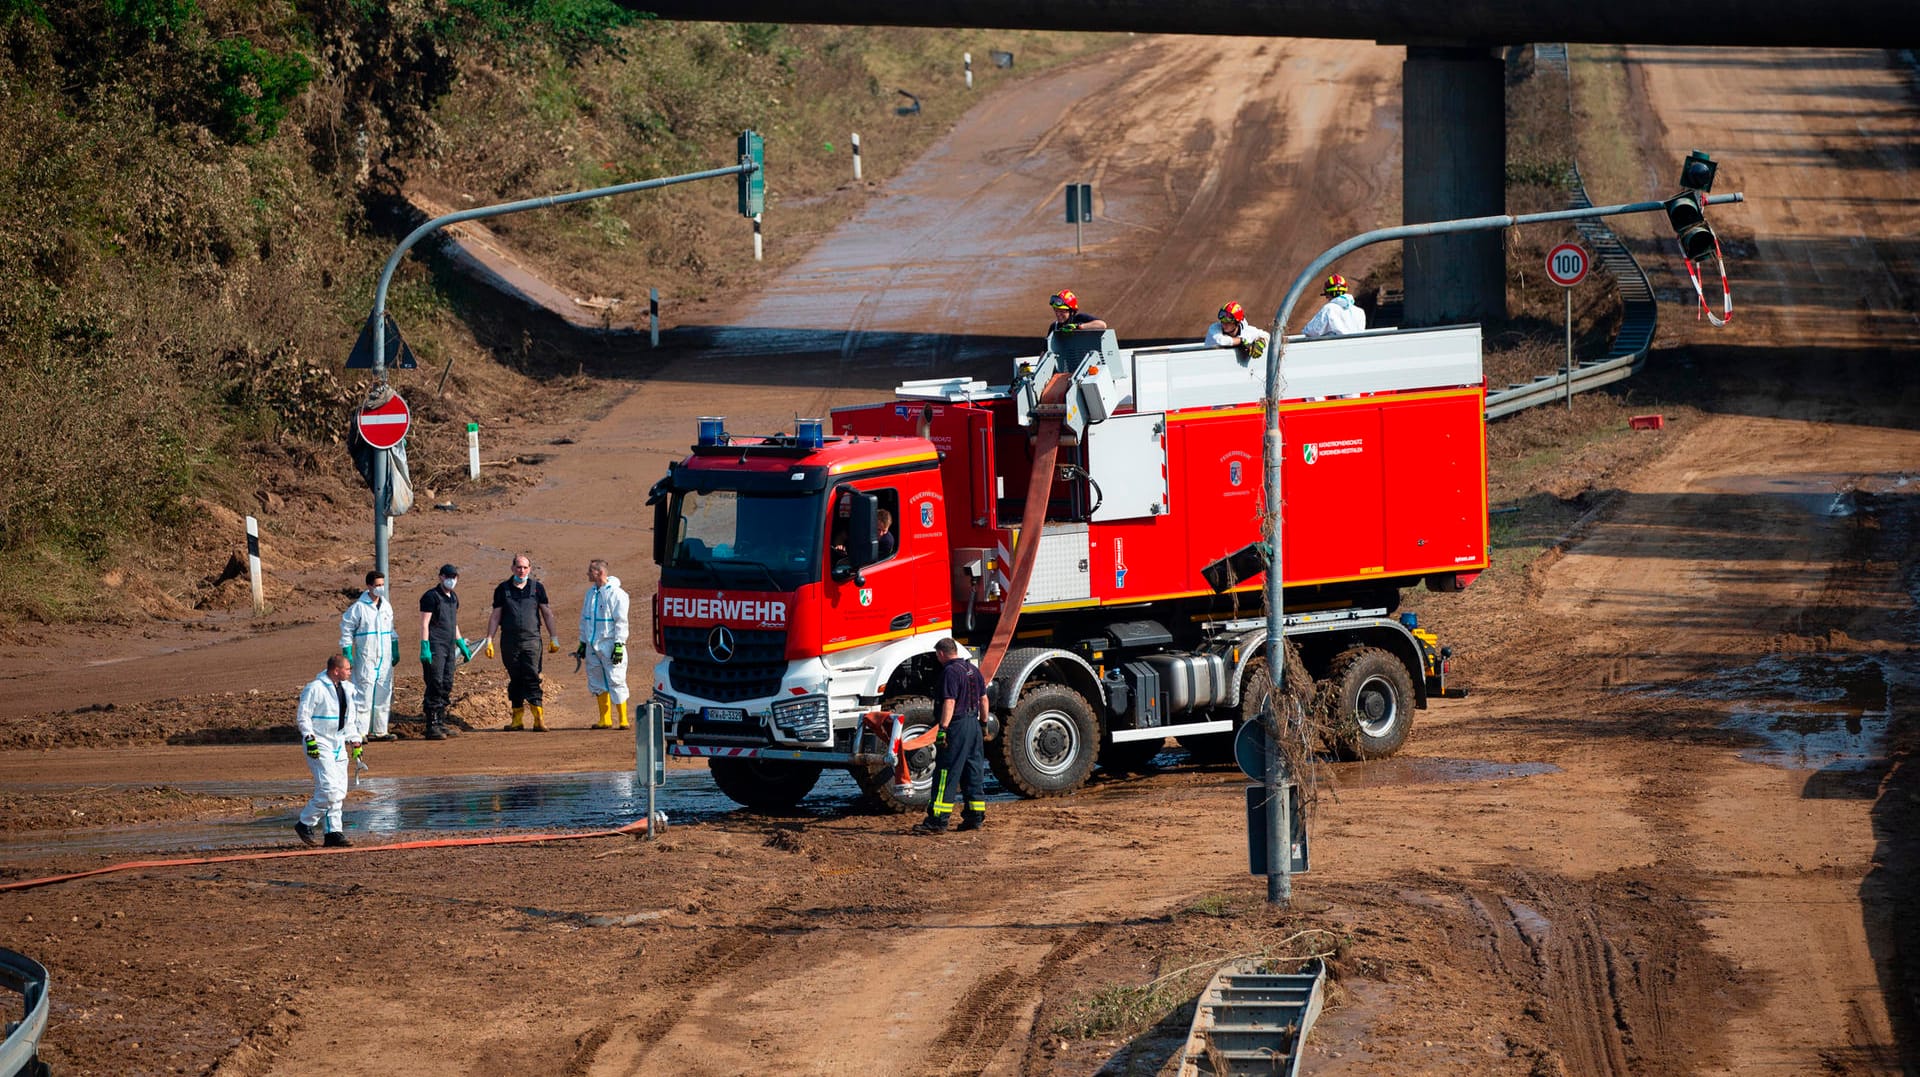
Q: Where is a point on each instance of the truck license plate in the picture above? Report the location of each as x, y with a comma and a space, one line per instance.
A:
724, 714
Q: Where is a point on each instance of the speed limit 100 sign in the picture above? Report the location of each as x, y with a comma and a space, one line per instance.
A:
1567, 265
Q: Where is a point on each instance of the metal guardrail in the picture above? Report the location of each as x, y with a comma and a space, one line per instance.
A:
1640, 315
20, 1051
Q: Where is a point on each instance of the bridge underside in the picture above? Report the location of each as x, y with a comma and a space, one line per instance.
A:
1454, 130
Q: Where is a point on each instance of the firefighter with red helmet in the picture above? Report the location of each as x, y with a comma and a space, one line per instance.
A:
1068, 317
1230, 330
1340, 316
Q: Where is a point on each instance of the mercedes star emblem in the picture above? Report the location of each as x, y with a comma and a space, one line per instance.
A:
720, 643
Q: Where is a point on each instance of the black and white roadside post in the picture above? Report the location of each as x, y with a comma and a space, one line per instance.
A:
750, 171
1688, 221
653, 317
1567, 266
856, 157
966, 58
253, 567
1079, 210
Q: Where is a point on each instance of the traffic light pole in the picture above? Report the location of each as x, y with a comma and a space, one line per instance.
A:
1279, 863
748, 166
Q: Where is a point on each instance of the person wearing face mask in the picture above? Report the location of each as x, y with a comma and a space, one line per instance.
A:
1340, 316
368, 641
519, 609
603, 643
439, 638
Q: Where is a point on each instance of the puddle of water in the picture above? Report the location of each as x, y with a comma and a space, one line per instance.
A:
1414, 770
1809, 712
382, 806
1533, 926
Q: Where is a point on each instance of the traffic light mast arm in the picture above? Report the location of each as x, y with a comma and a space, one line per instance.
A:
749, 166
393, 261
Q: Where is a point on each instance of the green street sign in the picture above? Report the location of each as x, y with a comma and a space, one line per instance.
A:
753, 185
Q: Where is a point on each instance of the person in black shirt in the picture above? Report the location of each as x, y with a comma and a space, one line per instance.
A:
519, 609
439, 638
1068, 317
960, 761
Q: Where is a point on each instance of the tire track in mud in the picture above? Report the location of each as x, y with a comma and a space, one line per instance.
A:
1615, 969
620, 1046
991, 1011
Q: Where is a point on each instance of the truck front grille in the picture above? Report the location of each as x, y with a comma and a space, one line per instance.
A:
753, 671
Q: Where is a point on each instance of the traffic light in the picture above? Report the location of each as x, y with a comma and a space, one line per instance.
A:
753, 185
1689, 220
1696, 173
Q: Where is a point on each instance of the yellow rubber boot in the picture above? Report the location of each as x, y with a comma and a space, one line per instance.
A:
539, 718
621, 707
604, 702
518, 713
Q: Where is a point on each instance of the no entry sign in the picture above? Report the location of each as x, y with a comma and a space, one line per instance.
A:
1567, 265
384, 425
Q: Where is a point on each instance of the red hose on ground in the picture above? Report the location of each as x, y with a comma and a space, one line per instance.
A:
636, 826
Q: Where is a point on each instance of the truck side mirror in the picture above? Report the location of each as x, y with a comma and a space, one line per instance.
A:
662, 540
863, 529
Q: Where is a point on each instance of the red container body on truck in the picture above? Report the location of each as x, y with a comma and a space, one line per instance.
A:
805, 578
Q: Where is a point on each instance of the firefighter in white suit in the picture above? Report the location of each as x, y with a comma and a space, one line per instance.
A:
368, 641
603, 644
332, 725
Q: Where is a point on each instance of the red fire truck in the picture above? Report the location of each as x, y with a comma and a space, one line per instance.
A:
805, 577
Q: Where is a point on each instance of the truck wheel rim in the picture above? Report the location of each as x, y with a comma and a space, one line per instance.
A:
920, 760
1377, 707
1053, 742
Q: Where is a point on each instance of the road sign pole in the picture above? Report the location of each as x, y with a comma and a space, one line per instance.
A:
380, 528
1569, 292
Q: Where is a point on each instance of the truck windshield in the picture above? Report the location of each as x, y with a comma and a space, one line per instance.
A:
725, 538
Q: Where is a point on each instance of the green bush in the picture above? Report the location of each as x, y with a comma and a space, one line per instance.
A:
252, 87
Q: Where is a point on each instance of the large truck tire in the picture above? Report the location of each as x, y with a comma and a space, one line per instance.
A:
1048, 745
764, 784
1369, 700
1131, 756
916, 717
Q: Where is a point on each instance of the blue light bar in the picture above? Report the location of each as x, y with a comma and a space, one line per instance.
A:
713, 430
808, 433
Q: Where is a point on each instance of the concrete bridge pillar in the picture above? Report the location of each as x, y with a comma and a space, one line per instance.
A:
1454, 152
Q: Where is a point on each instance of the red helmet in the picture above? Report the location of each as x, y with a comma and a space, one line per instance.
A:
1233, 310
1064, 300
1336, 285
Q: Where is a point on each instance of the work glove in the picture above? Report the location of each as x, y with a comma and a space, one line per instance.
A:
353, 749
313, 747
489, 647
426, 651
466, 649
940, 737
1066, 327
619, 653
580, 651
553, 645
348, 651
396, 650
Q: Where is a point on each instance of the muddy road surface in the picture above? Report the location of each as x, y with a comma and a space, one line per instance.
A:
1671, 831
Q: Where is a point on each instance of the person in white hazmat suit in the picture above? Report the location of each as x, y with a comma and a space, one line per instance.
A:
1340, 316
603, 644
331, 725
368, 640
